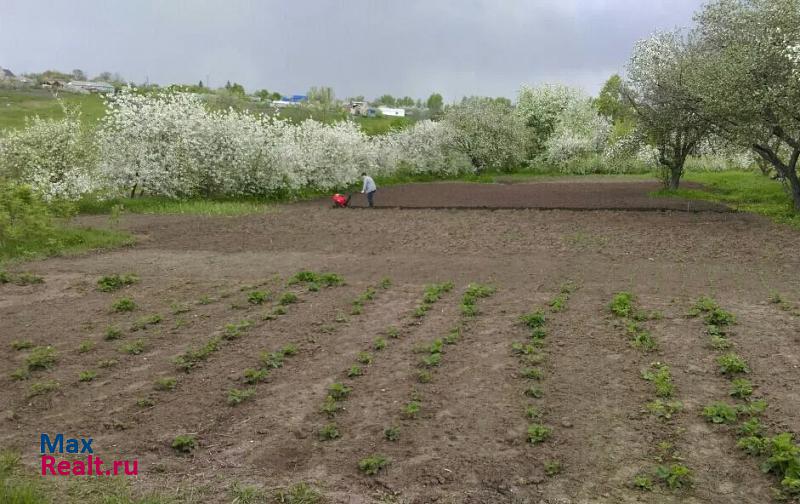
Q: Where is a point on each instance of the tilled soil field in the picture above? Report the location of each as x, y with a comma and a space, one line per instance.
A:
464, 399
553, 195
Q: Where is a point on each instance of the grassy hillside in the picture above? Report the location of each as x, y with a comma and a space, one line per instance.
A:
16, 105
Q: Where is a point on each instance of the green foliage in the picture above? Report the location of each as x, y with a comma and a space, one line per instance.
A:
134, 347
552, 467
432, 360
364, 358
20, 374
643, 340
42, 387
86, 346
538, 433
145, 322
720, 412
719, 343
339, 391
373, 464
257, 297
558, 303
325, 279
288, 298
741, 388
393, 332
676, 476
145, 402
424, 376
533, 320
753, 445
661, 377
235, 330
193, 356
664, 409
752, 427
385, 283
354, 371
784, 461
107, 363
300, 493
123, 305
165, 383
238, 396
704, 304
643, 482
272, 360
330, 406
731, 363
432, 293
21, 344
253, 376
412, 409
110, 283
753, 408
391, 433
622, 304
379, 344
87, 376
184, 443
178, 308
329, 432
470, 298
41, 357
533, 413
112, 333
532, 373
534, 392
719, 317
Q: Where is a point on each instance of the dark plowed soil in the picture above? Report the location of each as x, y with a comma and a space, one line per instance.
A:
468, 442
542, 195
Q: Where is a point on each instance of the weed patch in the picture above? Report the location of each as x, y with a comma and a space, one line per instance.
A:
111, 283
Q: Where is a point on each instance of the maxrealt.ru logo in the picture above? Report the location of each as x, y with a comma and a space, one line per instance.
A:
92, 465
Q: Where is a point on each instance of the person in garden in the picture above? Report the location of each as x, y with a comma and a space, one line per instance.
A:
369, 188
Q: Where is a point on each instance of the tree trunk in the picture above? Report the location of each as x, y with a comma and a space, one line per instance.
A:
794, 186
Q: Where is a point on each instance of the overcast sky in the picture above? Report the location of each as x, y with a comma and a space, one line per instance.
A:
359, 47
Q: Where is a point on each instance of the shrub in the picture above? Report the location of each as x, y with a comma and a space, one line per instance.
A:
538, 433
116, 281
184, 443
372, 464
238, 396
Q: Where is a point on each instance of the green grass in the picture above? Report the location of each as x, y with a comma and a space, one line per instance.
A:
18, 104
744, 191
62, 240
158, 205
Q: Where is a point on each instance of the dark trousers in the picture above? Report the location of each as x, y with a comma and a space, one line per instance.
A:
371, 195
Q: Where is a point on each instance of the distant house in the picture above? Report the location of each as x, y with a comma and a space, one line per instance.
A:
394, 112
358, 108
91, 87
5, 73
290, 101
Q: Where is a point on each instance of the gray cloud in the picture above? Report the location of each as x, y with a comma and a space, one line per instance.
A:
369, 47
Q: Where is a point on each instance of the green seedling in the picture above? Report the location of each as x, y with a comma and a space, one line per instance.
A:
391, 433
432, 360
107, 363
165, 383
538, 433
364, 358
330, 407
424, 376
379, 344
753, 445
288, 298
21, 344
676, 476
622, 304
238, 396
145, 322
41, 357
533, 320
20, 374
741, 388
178, 308
752, 427
290, 350
719, 317
234, 331
184, 443
329, 432
558, 303
720, 412
385, 283
393, 332
313, 287
301, 493
643, 482
192, 357
412, 409
453, 336
134, 347
115, 282
355, 371
339, 391
436, 346
372, 464
753, 408
533, 413
340, 318
552, 468
719, 343
731, 363
204, 300
272, 360
123, 305
257, 297
534, 392
664, 409
532, 373
357, 309
43, 387
661, 378
86, 346
704, 304
643, 340
253, 376
145, 402
112, 333
87, 376
28, 278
